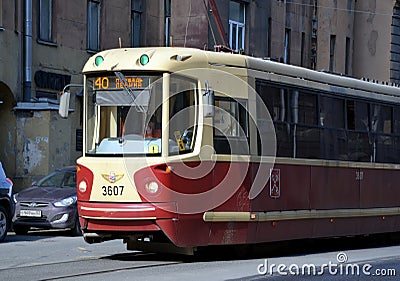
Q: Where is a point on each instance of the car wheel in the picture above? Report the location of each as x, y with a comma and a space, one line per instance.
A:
3, 223
76, 230
21, 229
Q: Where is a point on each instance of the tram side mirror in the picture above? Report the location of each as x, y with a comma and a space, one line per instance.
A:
65, 97
208, 101
64, 104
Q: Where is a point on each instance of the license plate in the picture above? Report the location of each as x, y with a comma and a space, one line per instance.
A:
30, 213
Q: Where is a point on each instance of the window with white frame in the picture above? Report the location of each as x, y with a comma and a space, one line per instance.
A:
93, 25
45, 20
136, 14
236, 25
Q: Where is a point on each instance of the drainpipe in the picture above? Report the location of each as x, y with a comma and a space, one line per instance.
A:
27, 51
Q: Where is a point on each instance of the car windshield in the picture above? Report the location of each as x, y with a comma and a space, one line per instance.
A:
58, 179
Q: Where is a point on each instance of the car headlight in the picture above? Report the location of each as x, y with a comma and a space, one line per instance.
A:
65, 202
14, 197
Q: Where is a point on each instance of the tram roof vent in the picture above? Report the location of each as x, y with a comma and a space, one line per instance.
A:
386, 83
181, 57
271, 59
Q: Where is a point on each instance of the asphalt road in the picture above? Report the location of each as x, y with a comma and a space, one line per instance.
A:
53, 255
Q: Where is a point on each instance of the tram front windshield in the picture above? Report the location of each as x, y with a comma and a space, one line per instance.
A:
124, 114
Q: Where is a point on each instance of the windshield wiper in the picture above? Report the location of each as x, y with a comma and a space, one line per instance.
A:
129, 91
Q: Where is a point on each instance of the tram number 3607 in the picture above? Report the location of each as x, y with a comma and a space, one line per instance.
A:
115, 190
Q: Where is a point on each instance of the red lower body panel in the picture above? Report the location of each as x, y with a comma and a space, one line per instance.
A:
112, 225
296, 187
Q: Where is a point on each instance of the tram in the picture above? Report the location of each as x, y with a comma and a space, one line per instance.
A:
185, 148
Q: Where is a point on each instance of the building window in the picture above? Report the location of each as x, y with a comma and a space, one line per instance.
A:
350, 6
395, 46
167, 5
1, 14
136, 8
93, 25
286, 54
45, 20
332, 53
303, 47
236, 25
348, 56
269, 37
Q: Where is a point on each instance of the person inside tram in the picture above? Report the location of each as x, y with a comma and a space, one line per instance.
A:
153, 129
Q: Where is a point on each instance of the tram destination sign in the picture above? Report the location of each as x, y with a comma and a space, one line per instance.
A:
113, 82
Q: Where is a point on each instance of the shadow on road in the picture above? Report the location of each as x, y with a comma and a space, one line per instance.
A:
35, 235
269, 250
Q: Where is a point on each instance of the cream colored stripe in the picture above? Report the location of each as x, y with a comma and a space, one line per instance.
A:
118, 219
302, 161
117, 209
297, 214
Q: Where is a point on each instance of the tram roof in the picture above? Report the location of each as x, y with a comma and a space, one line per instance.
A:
173, 59
163, 59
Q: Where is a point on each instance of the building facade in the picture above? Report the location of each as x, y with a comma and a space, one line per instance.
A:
45, 43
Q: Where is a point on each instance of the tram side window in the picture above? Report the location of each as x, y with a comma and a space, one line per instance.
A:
396, 119
324, 126
276, 101
331, 112
383, 147
307, 112
307, 133
396, 137
183, 115
332, 124
357, 115
381, 119
230, 126
358, 125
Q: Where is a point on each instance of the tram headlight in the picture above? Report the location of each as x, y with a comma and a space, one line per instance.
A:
144, 59
98, 60
151, 187
82, 186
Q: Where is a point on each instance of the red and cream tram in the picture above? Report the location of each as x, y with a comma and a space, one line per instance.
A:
186, 148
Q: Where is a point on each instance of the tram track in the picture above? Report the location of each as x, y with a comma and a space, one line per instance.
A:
70, 270
65, 259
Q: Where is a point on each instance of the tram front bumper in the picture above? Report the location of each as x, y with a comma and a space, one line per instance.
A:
100, 216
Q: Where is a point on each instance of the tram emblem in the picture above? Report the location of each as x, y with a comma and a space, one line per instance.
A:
275, 183
112, 177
